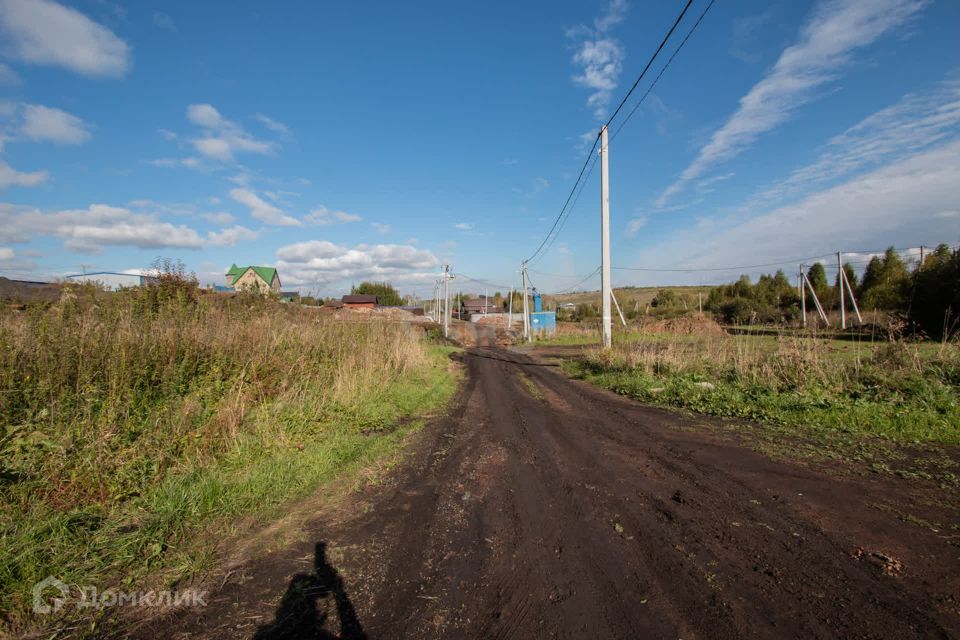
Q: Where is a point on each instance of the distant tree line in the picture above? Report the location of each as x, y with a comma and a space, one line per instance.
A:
386, 294
928, 295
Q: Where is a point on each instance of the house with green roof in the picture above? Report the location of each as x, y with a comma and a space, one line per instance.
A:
262, 279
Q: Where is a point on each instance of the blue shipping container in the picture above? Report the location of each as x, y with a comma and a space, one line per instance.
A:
543, 323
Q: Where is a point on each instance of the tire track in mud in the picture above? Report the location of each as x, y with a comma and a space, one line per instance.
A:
560, 510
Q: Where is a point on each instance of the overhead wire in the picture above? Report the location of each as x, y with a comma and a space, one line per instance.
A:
570, 210
573, 190
662, 71
567, 202
733, 268
573, 287
650, 62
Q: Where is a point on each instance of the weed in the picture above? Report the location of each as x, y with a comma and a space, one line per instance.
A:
133, 422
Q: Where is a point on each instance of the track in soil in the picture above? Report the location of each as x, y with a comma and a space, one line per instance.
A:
542, 507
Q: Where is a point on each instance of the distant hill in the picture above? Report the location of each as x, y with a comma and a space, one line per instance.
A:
25, 291
629, 297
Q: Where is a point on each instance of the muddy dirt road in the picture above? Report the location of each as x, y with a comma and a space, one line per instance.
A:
544, 508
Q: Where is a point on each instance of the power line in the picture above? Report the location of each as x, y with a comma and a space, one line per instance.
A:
483, 282
650, 62
568, 289
749, 266
573, 206
665, 67
565, 204
570, 196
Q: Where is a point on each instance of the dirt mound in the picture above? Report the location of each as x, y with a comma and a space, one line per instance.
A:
686, 325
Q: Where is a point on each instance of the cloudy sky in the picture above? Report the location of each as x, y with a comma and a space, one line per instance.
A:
355, 140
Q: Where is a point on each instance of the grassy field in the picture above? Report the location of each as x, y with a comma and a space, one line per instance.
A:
846, 397
630, 298
137, 427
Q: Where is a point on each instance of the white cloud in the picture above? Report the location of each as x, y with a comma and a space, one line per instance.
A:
167, 134
381, 227
322, 216
827, 42
163, 21
464, 226
262, 210
189, 162
902, 203
272, 125
6, 254
48, 33
231, 236
616, 12
50, 124
88, 230
321, 261
10, 177
221, 217
916, 122
599, 57
634, 226
8, 76
222, 139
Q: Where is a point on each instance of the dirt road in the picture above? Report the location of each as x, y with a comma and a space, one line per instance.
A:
543, 507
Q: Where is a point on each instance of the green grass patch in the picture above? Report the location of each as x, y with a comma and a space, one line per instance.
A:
813, 398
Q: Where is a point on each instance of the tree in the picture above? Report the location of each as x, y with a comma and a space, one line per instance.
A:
664, 298
851, 274
886, 282
936, 293
817, 276
386, 294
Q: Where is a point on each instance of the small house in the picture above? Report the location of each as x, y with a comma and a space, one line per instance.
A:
262, 279
481, 306
359, 301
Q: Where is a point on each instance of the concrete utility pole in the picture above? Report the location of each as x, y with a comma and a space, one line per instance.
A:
853, 298
446, 297
803, 296
816, 301
606, 291
623, 321
526, 309
840, 278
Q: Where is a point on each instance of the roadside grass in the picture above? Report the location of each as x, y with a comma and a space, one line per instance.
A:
815, 398
530, 386
139, 427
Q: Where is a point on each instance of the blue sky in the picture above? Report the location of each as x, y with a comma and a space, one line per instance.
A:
349, 141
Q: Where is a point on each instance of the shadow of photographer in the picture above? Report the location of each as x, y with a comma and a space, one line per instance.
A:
298, 615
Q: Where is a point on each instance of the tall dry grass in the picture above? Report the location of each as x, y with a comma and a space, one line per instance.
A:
102, 393
129, 421
783, 363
